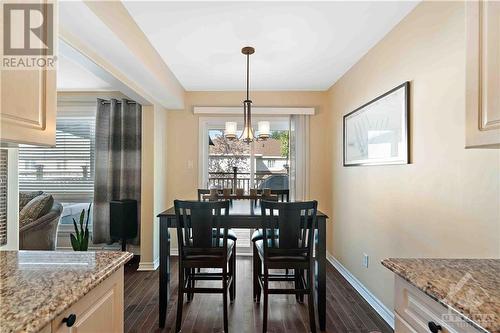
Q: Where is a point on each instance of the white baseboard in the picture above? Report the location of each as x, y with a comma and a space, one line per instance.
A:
149, 265
374, 302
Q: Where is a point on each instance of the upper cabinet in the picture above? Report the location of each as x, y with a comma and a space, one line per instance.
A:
28, 75
483, 75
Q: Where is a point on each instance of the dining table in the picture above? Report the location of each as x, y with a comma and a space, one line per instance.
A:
243, 214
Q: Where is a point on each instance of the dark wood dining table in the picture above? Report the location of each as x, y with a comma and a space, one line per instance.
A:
242, 214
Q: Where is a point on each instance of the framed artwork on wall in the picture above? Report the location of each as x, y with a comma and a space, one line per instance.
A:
377, 133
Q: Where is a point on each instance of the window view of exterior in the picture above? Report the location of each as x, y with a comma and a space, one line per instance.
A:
65, 171
272, 161
235, 164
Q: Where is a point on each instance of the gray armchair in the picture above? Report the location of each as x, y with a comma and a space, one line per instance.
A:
41, 234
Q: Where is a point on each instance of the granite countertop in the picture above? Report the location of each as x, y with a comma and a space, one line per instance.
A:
469, 286
37, 286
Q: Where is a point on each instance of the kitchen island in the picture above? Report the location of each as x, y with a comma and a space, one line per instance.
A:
52, 291
446, 295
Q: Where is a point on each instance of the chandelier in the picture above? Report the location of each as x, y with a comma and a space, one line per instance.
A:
247, 135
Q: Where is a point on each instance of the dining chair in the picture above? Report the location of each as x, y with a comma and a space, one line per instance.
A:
200, 247
201, 192
204, 191
282, 195
287, 243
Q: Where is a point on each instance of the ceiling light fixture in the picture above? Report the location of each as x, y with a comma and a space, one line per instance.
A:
247, 134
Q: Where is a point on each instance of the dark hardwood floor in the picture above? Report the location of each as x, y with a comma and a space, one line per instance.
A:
346, 310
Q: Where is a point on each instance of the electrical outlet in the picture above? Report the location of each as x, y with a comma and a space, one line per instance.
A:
365, 260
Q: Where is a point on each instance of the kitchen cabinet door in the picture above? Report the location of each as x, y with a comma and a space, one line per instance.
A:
28, 93
483, 74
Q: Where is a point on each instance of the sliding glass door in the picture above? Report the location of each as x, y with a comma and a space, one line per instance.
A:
261, 164
235, 164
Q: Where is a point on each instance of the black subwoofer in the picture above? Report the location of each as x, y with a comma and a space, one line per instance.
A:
123, 220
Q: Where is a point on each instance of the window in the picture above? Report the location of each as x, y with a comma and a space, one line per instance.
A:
3, 196
67, 170
261, 164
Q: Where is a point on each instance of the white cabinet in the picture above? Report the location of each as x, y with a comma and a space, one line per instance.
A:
483, 74
28, 96
415, 311
101, 310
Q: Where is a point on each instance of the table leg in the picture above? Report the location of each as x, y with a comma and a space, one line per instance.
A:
321, 277
164, 271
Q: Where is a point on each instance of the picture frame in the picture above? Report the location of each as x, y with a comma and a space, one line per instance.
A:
378, 132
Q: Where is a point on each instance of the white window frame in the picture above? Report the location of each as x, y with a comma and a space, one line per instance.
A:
209, 123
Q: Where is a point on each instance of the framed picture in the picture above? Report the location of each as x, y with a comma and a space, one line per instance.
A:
377, 133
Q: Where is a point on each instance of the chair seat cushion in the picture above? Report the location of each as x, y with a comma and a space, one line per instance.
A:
259, 244
230, 234
258, 235
202, 256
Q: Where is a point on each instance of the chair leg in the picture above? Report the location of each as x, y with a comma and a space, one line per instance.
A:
190, 283
193, 282
180, 300
256, 266
297, 284
310, 300
232, 263
224, 295
266, 302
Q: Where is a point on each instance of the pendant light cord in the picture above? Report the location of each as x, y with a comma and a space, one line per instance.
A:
248, 70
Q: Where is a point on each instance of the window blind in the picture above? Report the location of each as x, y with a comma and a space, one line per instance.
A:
3, 196
67, 170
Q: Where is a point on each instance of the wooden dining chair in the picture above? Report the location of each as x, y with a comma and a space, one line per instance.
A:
201, 192
204, 191
200, 247
282, 195
287, 243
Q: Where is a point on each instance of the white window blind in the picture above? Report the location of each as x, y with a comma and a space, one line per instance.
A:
67, 170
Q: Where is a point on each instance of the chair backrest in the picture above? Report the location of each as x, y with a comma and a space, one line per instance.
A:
203, 191
199, 225
288, 227
282, 195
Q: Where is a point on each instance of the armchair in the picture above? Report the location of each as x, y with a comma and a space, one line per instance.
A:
41, 234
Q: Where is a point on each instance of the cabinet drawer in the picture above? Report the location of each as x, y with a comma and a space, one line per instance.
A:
101, 310
415, 310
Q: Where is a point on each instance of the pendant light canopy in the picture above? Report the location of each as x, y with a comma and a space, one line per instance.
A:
247, 135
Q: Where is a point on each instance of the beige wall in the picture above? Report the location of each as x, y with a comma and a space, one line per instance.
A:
153, 183
147, 188
182, 138
444, 204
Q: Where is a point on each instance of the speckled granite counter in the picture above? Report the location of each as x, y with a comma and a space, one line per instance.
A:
36, 286
469, 286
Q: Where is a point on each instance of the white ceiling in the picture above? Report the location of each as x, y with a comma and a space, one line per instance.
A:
73, 76
299, 45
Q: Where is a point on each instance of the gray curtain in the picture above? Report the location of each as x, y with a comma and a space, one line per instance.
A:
117, 161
